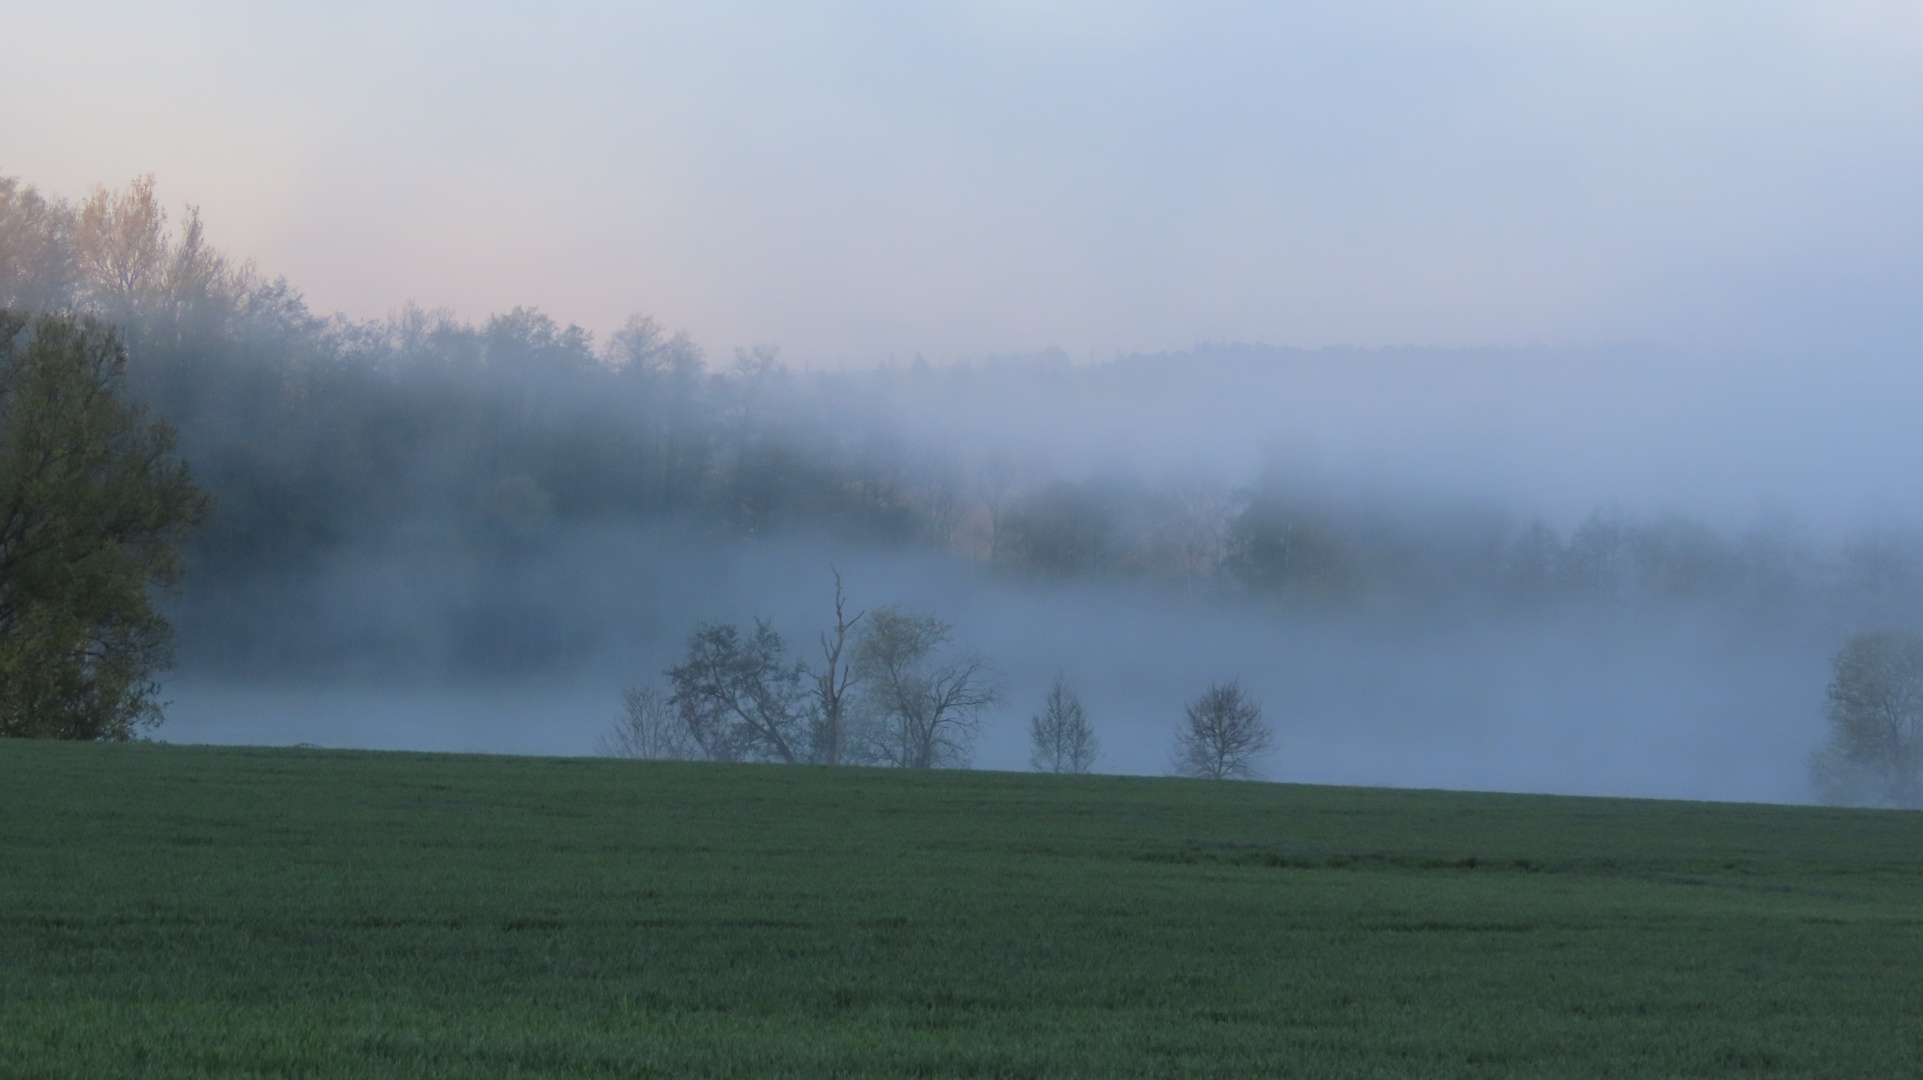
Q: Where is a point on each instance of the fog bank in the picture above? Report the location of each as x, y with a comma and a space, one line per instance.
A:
1659, 703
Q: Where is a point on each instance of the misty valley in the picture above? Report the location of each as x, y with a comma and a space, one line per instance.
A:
1001, 539
1606, 571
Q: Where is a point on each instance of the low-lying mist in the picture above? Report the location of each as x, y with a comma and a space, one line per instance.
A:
407, 650
1610, 570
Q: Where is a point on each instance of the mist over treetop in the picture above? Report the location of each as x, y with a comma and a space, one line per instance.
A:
1514, 568
1359, 470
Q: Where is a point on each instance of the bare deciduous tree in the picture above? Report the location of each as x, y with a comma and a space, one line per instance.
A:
1061, 739
649, 727
921, 707
1222, 735
1875, 752
835, 685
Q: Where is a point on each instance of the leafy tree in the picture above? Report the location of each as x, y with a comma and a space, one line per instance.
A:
922, 703
642, 349
648, 728
165, 291
1282, 547
1062, 529
1061, 739
36, 249
1222, 735
1876, 722
741, 699
93, 504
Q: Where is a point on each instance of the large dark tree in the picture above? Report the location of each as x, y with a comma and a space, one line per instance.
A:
93, 504
740, 698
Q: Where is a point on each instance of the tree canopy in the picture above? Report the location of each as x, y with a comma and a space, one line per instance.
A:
93, 504
740, 698
1875, 714
329, 439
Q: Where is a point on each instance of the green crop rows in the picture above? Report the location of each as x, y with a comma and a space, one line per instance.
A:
181, 911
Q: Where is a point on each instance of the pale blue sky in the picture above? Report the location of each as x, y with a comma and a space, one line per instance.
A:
854, 180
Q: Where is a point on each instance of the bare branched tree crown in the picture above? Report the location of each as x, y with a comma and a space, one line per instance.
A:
1223, 735
891, 690
1875, 712
1061, 738
922, 700
836, 686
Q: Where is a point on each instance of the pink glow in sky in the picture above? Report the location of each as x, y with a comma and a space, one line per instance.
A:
855, 180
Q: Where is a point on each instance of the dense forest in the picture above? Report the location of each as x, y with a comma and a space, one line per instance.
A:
322, 433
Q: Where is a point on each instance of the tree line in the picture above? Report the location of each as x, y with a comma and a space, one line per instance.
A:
192, 390
318, 435
889, 687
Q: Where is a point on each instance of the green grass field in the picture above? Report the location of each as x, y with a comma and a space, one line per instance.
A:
184, 911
